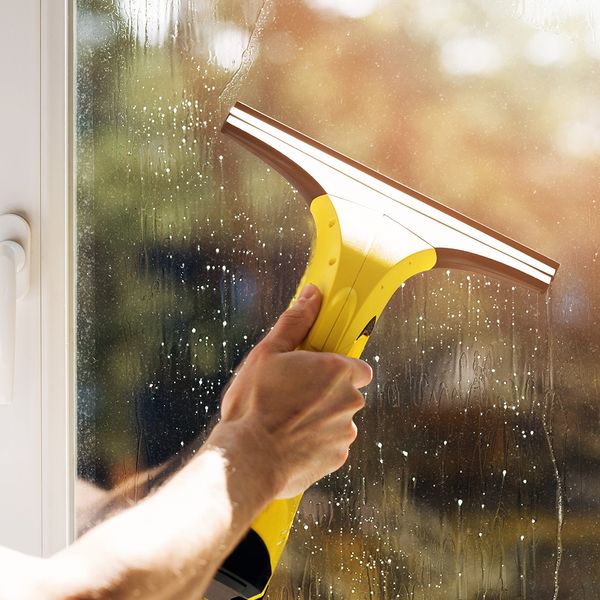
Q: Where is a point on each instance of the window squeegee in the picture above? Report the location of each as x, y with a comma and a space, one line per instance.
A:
372, 234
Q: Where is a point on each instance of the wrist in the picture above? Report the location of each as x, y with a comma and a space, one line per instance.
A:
253, 463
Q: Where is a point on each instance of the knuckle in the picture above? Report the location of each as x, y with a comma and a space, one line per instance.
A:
353, 400
341, 456
293, 314
362, 373
333, 363
352, 432
259, 351
255, 352
327, 360
358, 401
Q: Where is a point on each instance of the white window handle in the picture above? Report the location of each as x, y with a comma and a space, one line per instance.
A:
15, 239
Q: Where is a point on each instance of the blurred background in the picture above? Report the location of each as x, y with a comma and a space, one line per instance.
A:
477, 470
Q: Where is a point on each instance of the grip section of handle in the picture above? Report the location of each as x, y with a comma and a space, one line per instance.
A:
12, 259
248, 569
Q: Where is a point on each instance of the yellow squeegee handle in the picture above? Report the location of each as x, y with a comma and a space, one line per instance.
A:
356, 284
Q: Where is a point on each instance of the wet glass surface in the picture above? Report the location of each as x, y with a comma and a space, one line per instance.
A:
477, 469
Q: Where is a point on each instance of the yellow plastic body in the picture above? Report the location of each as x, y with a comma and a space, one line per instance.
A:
360, 258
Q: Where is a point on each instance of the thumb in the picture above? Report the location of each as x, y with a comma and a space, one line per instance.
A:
295, 323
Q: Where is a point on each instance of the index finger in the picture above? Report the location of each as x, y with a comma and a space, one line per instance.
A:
361, 373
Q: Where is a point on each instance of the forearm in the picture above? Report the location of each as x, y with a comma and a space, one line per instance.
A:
173, 541
95, 505
286, 422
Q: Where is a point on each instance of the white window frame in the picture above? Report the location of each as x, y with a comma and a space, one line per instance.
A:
37, 424
57, 275
20, 160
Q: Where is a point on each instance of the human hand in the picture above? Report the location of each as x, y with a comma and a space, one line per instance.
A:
293, 407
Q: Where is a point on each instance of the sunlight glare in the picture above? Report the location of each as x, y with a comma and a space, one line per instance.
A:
471, 56
151, 20
355, 9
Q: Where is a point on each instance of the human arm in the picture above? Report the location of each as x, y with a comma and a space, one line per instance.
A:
286, 422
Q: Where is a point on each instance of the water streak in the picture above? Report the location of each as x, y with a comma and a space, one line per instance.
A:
230, 91
549, 398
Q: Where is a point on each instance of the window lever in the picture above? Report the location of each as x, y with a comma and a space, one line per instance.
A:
15, 237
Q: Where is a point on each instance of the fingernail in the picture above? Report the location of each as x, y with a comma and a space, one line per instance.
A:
308, 291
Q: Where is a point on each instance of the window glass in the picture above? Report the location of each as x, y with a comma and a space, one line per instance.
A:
477, 468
